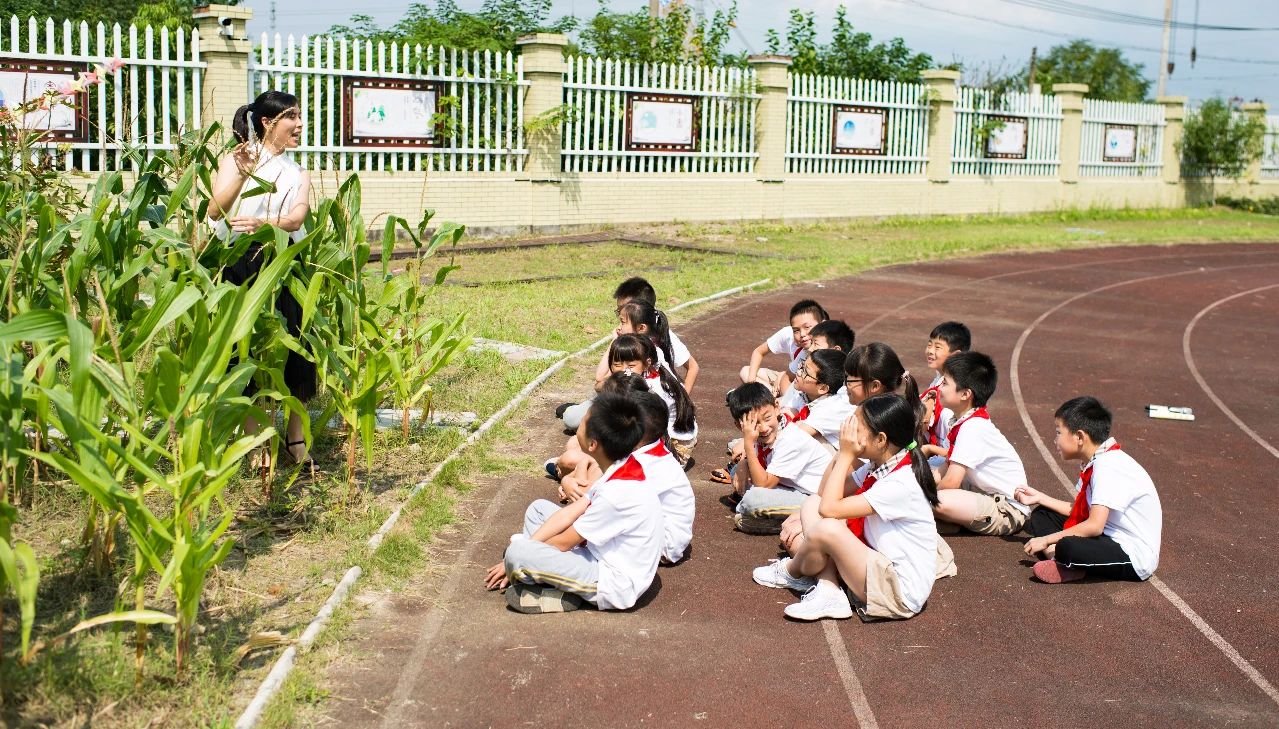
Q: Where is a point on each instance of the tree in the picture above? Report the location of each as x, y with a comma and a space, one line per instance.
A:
90, 11
1108, 74
677, 37
1218, 142
494, 27
850, 52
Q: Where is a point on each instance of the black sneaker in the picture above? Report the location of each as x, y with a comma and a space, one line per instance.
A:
562, 408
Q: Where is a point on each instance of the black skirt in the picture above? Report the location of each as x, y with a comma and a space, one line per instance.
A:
299, 372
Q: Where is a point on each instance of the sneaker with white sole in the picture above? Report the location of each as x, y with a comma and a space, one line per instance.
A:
823, 601
775, 574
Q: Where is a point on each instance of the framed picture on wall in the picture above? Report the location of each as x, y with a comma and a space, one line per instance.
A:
1008, 140
859, 130
661, 123
65, 120
1120, 143
389, 113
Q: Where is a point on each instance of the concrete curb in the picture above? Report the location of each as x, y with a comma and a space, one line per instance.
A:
271, 685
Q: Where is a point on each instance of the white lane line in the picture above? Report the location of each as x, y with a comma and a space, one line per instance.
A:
1045, 269
1195, 619
1203, 384
852, 687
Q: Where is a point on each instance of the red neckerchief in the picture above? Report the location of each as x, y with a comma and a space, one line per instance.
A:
658, 450
631, 470
934, 430
762, 452
979, 413
801, 415
1079, 511
857, 525
651, 374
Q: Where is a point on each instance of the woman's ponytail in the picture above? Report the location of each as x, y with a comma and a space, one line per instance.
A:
685, 411
241, 123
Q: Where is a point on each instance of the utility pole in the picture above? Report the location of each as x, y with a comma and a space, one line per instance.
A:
654, 8
273, 18
1030, 82
1165, 65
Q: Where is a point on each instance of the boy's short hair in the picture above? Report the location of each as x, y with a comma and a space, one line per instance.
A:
830, 368
624, 383
973, 371
616, 422
808, 306
636, 288
954, 334
1086, 413
745, 398
656, 414
838, 334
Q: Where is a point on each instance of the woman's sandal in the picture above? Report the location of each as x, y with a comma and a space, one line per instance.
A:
308, 462
721, 475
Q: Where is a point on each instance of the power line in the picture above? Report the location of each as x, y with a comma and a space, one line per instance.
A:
1090, 12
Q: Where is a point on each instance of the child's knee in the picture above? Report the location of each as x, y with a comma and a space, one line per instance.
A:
744, 373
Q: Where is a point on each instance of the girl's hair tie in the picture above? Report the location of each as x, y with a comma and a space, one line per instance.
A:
912, 445
905, 375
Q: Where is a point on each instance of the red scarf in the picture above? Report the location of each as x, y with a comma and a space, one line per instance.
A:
658, 450
631, 470
857, 525
1079, 510
934, 430
954, 429
762, 452
801, 415
651, 374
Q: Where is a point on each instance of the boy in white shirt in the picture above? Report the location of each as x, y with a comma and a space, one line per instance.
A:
830, 334
824, 410
946, 339
976, 484
603, 548
666, 476
781, 466
791, 341
1113, 528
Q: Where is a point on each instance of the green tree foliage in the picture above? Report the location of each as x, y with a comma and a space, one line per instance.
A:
93, 11
850, 52
1217, 142
676, 38
1108, 74
494, 27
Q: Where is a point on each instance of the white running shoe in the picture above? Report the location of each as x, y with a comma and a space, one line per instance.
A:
823, 601
775, 574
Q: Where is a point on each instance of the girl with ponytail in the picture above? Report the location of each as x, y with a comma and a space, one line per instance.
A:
880, 540
265, 130
874, 369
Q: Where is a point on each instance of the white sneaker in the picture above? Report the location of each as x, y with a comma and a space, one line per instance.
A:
775, 574
823, 601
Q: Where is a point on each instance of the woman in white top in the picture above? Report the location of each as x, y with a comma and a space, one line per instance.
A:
265, 129
881, 540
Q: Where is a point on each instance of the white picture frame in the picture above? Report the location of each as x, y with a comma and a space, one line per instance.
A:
1008, 140
390, 113
859, 130
1119, 143
661, 122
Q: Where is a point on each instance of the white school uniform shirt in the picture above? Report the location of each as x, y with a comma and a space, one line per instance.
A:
827, 414
655, 386
798, 460
675, 494
679, 351
279, 170
1120, 484
792, 399
622, 527
782, 341
993, 465
943, 420
903, 530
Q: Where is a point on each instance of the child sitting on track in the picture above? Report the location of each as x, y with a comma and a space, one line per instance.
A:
830, 334
882, 540
820, 380
982, 469
782, 465
602, 549
789, 340
1113, 529
667, 477
946, 339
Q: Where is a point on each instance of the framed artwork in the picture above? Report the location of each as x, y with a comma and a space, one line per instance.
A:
1009, 140
25, 80
859, 130
389, 112
1120, 144
661, 123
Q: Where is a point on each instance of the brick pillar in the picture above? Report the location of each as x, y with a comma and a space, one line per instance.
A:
943, 88
543, 59
1258, 109
1174, 117
773, 76
225, 47
1072, 125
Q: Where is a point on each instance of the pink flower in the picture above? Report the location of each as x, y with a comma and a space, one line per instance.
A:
90, 78
66, 88
113, 64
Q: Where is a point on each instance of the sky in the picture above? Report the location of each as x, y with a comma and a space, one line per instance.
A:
1247, 63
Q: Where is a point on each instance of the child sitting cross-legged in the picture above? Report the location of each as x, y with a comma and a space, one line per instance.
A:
982, 469
602, 549
1113, 528
666, 476
792, 341
782, 465
881, 540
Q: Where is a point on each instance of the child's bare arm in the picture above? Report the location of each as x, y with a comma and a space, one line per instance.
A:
690, 375
784, 383
1090, 527
758, 474
931, 450
566, 539
602, 371
951, 476
560, 520
1034, 497
757, 359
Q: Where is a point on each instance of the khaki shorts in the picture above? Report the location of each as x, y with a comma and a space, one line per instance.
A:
998, 519
883, 591
683, 449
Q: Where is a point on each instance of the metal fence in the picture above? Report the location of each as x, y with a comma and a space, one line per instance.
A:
1270, 153
813, 105
137, 110
478, 103
1121, 139
983, 142
598, 93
